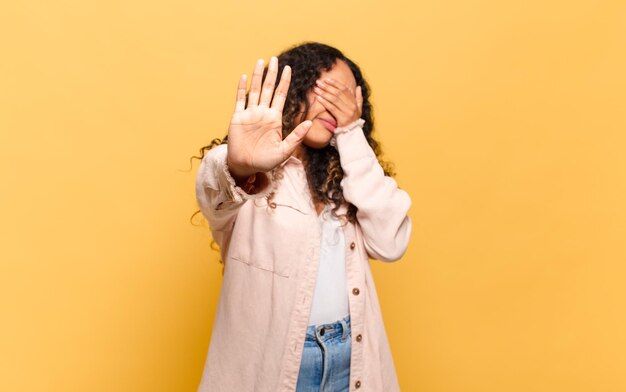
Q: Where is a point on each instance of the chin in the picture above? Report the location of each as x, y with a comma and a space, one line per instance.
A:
316, 145
317, 138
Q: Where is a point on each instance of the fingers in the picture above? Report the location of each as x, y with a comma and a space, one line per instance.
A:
343, 103
295, 137
240, 103
330, 86
283, 87
331, 107
255, 85
336, 86
340, 96
270, 82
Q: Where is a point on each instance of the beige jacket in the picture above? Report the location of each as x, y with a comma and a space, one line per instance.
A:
271, 258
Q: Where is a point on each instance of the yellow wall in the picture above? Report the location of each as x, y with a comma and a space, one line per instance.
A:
506, 121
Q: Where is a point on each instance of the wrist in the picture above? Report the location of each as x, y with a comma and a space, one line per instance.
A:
343, 124
341, 131
240, 175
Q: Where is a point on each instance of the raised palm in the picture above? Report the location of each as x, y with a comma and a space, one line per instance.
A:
255, 142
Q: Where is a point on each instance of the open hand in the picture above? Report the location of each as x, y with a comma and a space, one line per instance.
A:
255, 142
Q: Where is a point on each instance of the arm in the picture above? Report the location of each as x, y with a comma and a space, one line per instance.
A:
232, 173
218, 194
382, 206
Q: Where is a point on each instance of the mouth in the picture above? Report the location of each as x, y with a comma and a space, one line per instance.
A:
328, 124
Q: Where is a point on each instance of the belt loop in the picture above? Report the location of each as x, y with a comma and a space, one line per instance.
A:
344, 327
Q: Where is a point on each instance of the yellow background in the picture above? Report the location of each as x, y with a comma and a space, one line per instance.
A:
505, 120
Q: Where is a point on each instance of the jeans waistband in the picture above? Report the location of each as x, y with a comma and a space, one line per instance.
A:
330, 330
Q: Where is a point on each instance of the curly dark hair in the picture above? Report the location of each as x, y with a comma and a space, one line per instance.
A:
324, 173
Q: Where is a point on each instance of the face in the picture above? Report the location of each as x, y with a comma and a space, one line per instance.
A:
319, 135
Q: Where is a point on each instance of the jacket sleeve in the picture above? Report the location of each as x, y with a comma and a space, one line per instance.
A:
382, 206
217, 194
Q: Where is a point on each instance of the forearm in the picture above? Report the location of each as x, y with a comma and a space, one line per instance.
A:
382, 206
219, 195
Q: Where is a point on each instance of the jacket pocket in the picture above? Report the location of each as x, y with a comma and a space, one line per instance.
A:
265, 262
272, 241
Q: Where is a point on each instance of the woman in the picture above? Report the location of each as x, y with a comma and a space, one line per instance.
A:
298, 202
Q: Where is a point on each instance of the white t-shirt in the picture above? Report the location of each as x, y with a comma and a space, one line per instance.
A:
330, 299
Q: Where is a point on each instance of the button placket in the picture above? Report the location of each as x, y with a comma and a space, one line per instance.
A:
355, 291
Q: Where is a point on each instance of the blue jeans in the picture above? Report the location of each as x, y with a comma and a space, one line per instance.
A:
325, 365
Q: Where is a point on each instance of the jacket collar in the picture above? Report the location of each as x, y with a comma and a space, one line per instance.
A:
301, 204
291, 159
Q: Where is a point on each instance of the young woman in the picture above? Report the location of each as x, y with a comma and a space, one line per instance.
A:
298, 202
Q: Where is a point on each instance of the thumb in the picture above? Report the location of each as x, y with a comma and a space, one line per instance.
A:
359, 98
295, 137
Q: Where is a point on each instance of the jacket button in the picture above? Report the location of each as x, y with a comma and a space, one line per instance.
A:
322, 332
355, 291
358, 338
357, 384
352, 245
